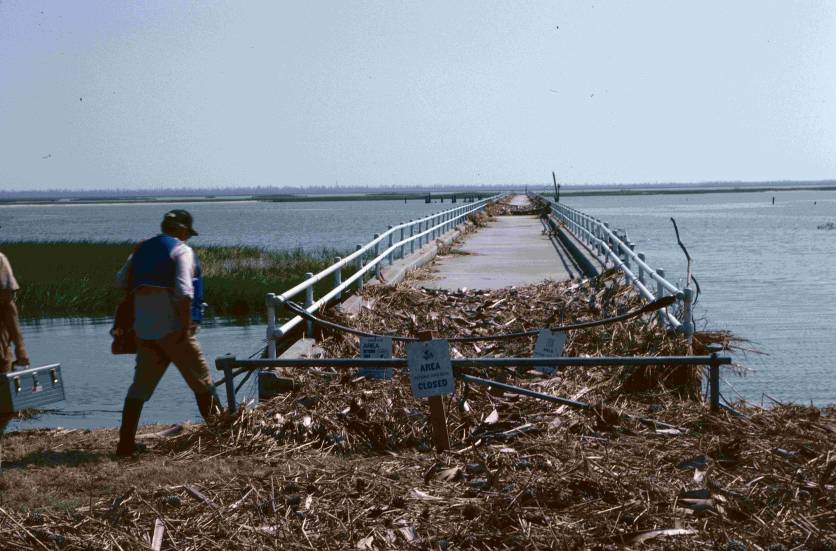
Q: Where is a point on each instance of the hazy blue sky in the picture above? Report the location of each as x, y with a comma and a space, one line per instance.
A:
145, 94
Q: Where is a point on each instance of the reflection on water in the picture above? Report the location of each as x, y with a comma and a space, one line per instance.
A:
96, 381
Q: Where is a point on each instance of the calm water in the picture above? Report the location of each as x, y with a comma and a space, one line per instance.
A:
335, 224
96, 381
766, 274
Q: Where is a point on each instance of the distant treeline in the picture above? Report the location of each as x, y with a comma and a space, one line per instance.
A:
258, 191
393, 191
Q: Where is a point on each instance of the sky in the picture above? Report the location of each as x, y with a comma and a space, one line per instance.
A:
168, 93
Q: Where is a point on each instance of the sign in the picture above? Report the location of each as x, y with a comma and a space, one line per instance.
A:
376, 348
430, 370
549, 345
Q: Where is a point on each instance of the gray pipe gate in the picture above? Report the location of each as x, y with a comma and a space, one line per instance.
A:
591, 231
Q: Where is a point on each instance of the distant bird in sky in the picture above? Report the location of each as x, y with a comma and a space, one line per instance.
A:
553, 90
79, 99
47, 156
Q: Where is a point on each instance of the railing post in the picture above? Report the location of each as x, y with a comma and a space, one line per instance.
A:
391, 253
660, 292
226, 363
376, 254
359, 267
412, 234
641, 268
338, 279
271, 324
687, 312
714, 382
309, 300
402, 232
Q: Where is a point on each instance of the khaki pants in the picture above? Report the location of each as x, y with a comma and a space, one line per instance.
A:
153, 358
5, 366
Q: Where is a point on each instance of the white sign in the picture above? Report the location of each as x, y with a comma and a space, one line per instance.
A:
430, 370
376, 347
549, 345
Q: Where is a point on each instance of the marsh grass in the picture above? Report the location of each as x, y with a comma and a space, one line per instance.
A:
77, 278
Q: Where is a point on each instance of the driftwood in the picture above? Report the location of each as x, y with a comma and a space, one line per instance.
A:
343, 462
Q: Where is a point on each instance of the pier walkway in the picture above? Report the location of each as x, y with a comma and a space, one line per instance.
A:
510, 251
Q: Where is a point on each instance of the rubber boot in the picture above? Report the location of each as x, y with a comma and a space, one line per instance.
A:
127, 432
208, 404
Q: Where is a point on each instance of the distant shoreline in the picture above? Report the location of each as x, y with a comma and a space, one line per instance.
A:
412, 196
695, 191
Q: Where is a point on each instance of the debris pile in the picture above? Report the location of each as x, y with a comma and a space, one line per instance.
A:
345, 462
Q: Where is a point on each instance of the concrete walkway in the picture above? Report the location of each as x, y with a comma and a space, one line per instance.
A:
510, 251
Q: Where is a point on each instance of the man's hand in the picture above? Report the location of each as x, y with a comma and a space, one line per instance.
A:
21, 356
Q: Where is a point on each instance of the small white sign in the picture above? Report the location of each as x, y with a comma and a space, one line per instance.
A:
549, 345
430, 370
377, 348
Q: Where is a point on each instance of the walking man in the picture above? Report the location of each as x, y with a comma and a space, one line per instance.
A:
163, 273
10, 334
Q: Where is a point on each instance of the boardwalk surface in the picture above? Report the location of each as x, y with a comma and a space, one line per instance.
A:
510, 251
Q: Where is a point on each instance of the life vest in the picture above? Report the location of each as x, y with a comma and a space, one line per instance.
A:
153, 266
197, 300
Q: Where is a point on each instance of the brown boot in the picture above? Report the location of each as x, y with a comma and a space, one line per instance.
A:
127, 432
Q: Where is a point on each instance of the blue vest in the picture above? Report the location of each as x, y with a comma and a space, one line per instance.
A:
197, 283
152, 265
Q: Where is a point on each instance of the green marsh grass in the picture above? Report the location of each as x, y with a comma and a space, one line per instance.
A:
78, 278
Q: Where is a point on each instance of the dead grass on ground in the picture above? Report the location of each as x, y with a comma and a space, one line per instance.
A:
346, 462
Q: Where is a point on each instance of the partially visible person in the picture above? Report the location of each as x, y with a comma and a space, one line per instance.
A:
10, 334
163, 273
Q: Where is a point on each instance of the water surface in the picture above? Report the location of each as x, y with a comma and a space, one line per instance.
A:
96, 381
766, 272
336, 224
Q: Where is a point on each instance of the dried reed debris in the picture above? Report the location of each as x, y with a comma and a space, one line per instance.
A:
346, 462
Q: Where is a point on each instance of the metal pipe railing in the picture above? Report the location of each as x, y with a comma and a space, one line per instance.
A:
433, 225
611, 247
231, 366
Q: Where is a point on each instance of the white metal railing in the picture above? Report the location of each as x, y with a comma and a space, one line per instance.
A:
610, 247
395, 240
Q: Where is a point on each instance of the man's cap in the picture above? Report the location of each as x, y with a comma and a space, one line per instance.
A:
181, 219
